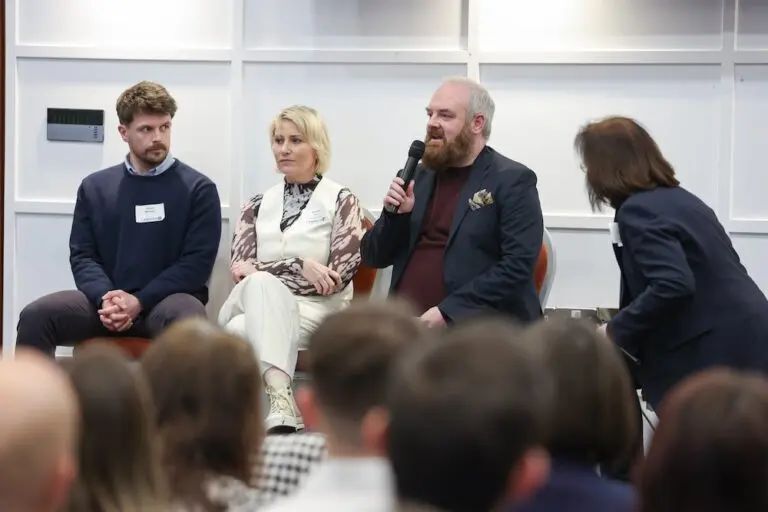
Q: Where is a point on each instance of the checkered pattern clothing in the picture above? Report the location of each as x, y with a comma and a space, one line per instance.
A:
284, 462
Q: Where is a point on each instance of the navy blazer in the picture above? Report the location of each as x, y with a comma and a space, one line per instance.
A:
687, 302
575, 487
491, 251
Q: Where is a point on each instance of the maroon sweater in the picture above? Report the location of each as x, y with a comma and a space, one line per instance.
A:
422, 281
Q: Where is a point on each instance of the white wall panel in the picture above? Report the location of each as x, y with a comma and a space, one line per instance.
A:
539, 110
42, 261
373, 112
750, 175
352, 24
220, 283
752, 250
753, 25
53, 170
587, 275
133, 23
599, 24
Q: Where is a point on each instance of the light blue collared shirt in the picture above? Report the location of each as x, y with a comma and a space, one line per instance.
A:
160, 169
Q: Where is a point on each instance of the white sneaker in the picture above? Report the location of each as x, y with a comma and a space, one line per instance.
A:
283, 413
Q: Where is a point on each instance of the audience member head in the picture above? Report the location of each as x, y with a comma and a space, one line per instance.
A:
460, 114
351, 356
206, 385
594, 417
119, 452
300, 142
38, 434
467, 418
620, 158
710, 450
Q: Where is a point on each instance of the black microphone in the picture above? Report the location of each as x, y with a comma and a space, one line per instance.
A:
406, 173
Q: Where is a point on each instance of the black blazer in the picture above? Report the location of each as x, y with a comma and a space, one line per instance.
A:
491, 251
687, 302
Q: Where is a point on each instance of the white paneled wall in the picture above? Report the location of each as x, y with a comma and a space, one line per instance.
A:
695, 72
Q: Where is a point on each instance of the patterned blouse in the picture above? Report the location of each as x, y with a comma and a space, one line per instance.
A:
346, 234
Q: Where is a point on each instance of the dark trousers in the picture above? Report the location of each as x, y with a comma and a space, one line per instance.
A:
68, 317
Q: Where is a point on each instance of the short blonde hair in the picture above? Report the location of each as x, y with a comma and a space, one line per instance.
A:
312, 128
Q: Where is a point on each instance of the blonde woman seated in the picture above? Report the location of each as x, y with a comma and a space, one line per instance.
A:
295, 251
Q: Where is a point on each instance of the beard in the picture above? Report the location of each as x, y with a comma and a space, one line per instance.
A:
448, 154
153, 157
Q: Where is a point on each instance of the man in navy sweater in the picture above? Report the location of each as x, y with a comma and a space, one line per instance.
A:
144, 238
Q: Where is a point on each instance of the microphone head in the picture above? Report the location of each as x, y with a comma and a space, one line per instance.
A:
416, 150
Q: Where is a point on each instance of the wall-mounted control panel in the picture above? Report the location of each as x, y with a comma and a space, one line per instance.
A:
76, 124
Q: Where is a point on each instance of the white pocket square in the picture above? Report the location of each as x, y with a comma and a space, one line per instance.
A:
480, 198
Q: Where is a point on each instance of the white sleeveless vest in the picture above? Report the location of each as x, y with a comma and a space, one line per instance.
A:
308, 237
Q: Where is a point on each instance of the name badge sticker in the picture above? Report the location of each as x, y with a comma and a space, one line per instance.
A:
150, 213
615, 235
315, 216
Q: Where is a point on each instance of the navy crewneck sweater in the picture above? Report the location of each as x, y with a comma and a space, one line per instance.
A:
110, 250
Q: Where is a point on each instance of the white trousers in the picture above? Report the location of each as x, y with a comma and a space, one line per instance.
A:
277, 323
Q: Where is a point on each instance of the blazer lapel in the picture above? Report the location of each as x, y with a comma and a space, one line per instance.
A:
422, 190
476, 177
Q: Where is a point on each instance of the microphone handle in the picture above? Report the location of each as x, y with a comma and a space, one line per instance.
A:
406, 173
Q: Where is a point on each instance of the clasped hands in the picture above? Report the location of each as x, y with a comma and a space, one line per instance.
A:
118, 310
325, 280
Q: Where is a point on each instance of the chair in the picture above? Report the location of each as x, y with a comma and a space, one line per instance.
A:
133, 347
544, 272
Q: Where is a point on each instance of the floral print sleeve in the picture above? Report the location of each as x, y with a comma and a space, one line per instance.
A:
346, 235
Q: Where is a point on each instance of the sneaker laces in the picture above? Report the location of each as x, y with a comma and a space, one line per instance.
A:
279, 401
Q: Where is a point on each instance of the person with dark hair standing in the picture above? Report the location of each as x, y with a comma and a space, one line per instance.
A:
710, 451
144, 237
687, 302
119, 462
593, 425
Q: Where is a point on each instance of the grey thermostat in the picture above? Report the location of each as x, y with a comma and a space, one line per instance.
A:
75, 124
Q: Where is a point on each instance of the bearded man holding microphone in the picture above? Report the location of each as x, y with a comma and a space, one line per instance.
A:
464, 235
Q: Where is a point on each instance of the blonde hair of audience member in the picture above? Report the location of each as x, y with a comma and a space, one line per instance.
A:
38, 432
467, 420
351, 356
311, 126
710, 450
119, 451
206, 385
594, 419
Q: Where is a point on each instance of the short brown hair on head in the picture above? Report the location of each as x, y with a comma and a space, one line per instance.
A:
710, 450
620, 158
206, 384
463, 412
351, 355
144, 98
119, 461
594, 418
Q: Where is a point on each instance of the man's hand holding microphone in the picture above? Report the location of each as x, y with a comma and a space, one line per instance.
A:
399, 198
